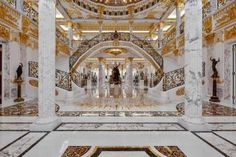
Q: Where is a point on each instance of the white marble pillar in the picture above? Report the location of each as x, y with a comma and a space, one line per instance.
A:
47, 119
70, 34
193, 120
131, 27
100, 26
160, 34
129, 76
101, 74
19, 5
178, 19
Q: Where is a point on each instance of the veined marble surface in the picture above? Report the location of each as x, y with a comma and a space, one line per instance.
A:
223, 126
6, 137
219, 143
55, 143
228, 135
15, 126
121, 126
16, 149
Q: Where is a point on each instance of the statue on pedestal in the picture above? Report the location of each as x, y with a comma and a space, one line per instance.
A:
215, 77
19, 82
214, 63
115, 77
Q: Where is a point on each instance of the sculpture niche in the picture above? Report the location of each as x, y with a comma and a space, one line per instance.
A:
215, 77
18, 81
115, 77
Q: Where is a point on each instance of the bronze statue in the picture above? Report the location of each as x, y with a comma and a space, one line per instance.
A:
214, 63
19, 71
215, 77
115, 78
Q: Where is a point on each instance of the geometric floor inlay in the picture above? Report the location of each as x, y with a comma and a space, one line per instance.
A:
120, 127
30, 108
119, 151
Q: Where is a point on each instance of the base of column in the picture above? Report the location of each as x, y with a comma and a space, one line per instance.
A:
194, 124
45, 124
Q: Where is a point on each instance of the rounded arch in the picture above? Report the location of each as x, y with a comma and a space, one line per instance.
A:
108, 44
125, 39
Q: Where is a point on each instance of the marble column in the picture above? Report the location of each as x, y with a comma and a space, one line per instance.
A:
47, 119
178, 19
129, 76
131, 27
160, 34
19, 5
70, 34
193, 120
100, 26
101, 74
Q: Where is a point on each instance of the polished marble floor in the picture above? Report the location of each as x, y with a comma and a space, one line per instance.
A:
30, 108
117, 140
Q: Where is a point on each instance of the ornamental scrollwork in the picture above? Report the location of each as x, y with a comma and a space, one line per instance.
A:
173, 79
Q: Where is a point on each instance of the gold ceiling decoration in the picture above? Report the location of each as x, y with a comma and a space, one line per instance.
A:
116, 2
115, 51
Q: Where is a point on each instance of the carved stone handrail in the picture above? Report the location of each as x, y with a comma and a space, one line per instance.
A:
127, 37
116, 11
173, 79
63, 79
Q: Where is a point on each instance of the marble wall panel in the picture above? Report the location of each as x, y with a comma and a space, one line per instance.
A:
6, 72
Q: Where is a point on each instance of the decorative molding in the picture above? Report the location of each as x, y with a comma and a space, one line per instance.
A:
225, 16
207, 24
9, 16
230, 33
4, 32
63, 80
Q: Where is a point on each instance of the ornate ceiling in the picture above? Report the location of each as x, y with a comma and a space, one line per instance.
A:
116, 2
88, 16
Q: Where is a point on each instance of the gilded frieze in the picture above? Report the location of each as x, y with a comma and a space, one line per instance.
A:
225, 16
9, 16
207, 24
209, 39
230, 33
60, 47
23, 38
4, 32
170, 47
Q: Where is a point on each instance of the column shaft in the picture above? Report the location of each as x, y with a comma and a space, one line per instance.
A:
47, 119
193, 119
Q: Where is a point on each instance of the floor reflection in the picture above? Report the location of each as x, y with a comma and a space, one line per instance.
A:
116, 98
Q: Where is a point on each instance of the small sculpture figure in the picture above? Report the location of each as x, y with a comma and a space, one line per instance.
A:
215, 77
115, 78
19, 71
214, 63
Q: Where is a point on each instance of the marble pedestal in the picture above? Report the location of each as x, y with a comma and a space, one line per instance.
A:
194, 124
89, 84
45, 124
141, 84
116, 90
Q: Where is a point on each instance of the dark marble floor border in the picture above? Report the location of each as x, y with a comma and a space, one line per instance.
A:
223, 138
195, 133
23, 153
14, 141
